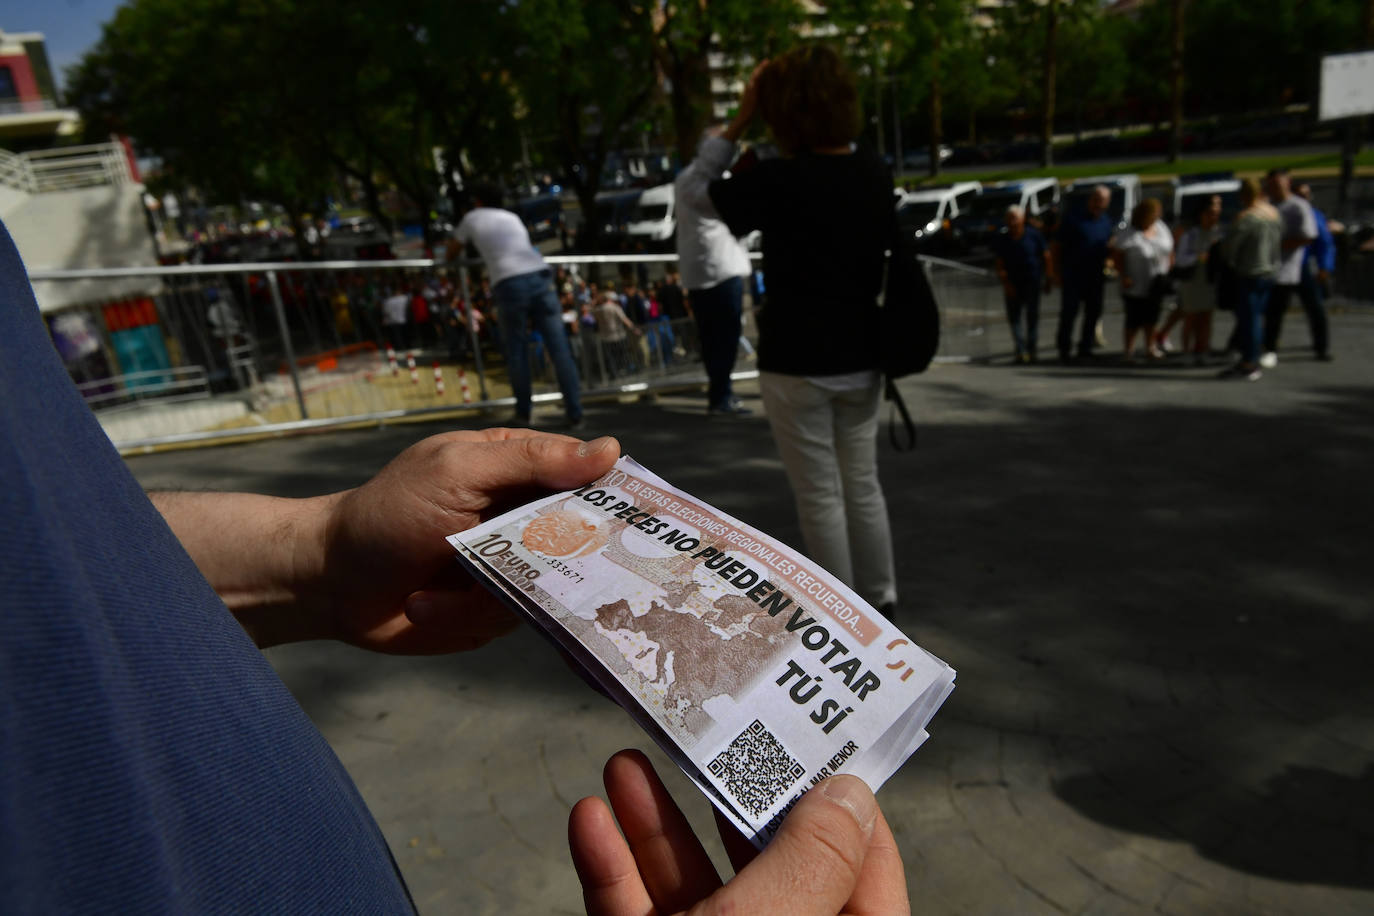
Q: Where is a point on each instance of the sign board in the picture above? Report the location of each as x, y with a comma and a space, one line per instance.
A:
1347, 86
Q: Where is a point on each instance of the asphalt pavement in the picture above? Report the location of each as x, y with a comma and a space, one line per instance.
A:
1156, 588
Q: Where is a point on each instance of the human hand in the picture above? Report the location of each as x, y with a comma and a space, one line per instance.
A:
834, 853
385, 579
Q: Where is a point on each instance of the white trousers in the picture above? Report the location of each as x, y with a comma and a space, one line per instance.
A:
828, 441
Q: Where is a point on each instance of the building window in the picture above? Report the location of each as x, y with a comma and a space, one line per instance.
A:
7, 90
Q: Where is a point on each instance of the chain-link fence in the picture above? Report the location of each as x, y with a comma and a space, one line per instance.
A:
220, 351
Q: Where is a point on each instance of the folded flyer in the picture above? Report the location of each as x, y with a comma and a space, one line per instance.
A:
757, 671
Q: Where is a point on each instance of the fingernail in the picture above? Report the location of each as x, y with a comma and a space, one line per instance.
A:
587, 449
851, 794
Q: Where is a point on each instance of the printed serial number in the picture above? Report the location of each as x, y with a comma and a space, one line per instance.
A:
565, 569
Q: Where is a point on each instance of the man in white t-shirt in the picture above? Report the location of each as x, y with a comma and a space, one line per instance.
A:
1299, 231
522, 292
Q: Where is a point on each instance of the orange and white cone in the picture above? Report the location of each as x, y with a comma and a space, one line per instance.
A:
391, 359
414, 373
463, 385
438, 380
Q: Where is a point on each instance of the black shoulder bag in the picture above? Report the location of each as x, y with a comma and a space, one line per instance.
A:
908, 329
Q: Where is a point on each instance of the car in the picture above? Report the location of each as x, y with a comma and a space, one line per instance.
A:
653, 220
985, 213
1125, 195
542, 215
920, 159
926, 216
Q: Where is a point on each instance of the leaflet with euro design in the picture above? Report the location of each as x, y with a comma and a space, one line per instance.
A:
758, 672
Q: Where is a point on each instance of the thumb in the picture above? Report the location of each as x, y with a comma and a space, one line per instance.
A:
512, 461
816, 858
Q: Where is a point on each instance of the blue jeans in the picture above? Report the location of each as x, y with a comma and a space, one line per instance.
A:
1252, 298
658, 334
1027, 302
527, 298
718, 312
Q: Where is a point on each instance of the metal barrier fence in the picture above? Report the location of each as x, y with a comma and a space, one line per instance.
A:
223, 351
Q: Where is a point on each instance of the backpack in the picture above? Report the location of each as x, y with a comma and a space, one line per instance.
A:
908, 329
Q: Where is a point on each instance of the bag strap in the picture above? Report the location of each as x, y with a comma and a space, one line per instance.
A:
899, 407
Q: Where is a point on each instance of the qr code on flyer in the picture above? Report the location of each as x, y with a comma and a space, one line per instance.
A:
756, 769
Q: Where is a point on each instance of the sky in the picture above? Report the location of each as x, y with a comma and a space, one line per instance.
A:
70, 26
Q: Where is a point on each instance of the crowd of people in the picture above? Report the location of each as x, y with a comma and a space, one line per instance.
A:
1276, 248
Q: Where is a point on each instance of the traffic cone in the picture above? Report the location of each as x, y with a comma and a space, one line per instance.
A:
463, 385
438, 380
391, 359
414, 373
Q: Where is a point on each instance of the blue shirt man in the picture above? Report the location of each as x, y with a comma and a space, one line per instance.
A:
1022, 263
1081, 252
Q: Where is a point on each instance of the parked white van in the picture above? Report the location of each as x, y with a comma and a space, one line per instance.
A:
986, 211
1192, 192
926, 211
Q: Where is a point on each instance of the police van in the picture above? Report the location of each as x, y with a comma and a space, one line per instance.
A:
1193, 192
653, 220
926, 217
987, 210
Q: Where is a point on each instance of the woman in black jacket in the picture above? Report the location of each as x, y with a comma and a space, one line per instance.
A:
826, 213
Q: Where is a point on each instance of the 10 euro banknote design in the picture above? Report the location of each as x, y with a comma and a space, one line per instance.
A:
755, 670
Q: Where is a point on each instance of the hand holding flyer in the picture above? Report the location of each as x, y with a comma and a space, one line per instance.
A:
755, 670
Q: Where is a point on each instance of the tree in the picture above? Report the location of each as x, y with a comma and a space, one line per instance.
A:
742, 31
1175, 79
587, 71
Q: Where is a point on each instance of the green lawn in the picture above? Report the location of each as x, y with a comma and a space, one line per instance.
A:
1157, 170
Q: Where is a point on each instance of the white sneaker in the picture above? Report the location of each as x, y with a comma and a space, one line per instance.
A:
1269, 360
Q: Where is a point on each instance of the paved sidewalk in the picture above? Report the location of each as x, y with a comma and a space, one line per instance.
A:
1156, 587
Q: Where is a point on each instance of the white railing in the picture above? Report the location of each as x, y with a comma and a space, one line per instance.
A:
15, 171
65, 168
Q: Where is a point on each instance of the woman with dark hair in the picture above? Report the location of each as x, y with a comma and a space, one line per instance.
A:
825, 211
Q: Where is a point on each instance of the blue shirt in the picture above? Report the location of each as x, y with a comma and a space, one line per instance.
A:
1023, 259
1083, 242
150, 758
1321, 252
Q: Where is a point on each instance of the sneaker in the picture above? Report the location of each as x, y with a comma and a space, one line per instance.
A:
1240, 371
1269, 360
1163, 346
732, 408
574, 425
887, 609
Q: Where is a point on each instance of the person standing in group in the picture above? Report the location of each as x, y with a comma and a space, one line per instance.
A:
1196, 293
395, 315
522, 289
1079, 255
1299, 231
1320, 261
823, 202
1251, 248
714, 265
1023, 265
1143, 253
